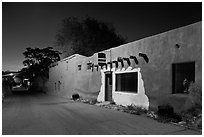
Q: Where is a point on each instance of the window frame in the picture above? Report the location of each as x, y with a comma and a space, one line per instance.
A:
175, 68
125, 72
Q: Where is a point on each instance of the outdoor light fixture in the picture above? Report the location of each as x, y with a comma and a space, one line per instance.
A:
116, 63
121, 61
128, 60
144, 56
135, 59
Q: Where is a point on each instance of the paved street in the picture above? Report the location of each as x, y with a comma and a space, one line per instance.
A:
41, 114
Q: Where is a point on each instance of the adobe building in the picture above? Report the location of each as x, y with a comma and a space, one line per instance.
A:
146, 73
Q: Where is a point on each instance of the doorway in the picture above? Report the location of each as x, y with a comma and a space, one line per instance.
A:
108, 86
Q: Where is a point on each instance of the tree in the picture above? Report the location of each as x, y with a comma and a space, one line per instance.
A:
37, 61
86, 37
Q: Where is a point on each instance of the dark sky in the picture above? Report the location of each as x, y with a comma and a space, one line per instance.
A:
26, 24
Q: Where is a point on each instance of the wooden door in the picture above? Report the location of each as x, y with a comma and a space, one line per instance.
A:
108, 86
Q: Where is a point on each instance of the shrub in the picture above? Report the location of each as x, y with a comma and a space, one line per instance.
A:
195, 94
166, 114
138, 110
165, 110
193, 112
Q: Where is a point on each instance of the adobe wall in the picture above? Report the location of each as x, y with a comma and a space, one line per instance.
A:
156, 75
84, 82
162, 53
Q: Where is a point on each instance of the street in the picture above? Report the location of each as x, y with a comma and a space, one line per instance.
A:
42, 114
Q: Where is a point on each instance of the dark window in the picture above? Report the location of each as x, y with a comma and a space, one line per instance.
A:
127, 82
79, 67
88, 66
183, 75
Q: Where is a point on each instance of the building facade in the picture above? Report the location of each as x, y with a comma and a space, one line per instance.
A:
147, 72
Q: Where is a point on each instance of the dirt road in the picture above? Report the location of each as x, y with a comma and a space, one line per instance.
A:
41, 114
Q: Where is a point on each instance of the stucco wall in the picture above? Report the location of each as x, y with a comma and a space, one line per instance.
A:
84, 82
162, 52
156, 74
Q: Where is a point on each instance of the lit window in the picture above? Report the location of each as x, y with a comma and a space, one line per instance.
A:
127, 82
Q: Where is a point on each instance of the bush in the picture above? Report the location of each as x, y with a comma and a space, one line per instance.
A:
165, 110
192, 115
138, 110
166, 114
195, 94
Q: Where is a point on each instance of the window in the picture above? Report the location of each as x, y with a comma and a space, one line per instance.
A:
79, 67
127, 82
183, 75
88, 66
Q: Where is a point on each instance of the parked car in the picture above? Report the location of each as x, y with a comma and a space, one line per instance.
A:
20, 84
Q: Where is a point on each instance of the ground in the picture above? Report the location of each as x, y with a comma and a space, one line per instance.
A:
42, 114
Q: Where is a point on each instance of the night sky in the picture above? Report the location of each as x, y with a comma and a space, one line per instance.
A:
36, 24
